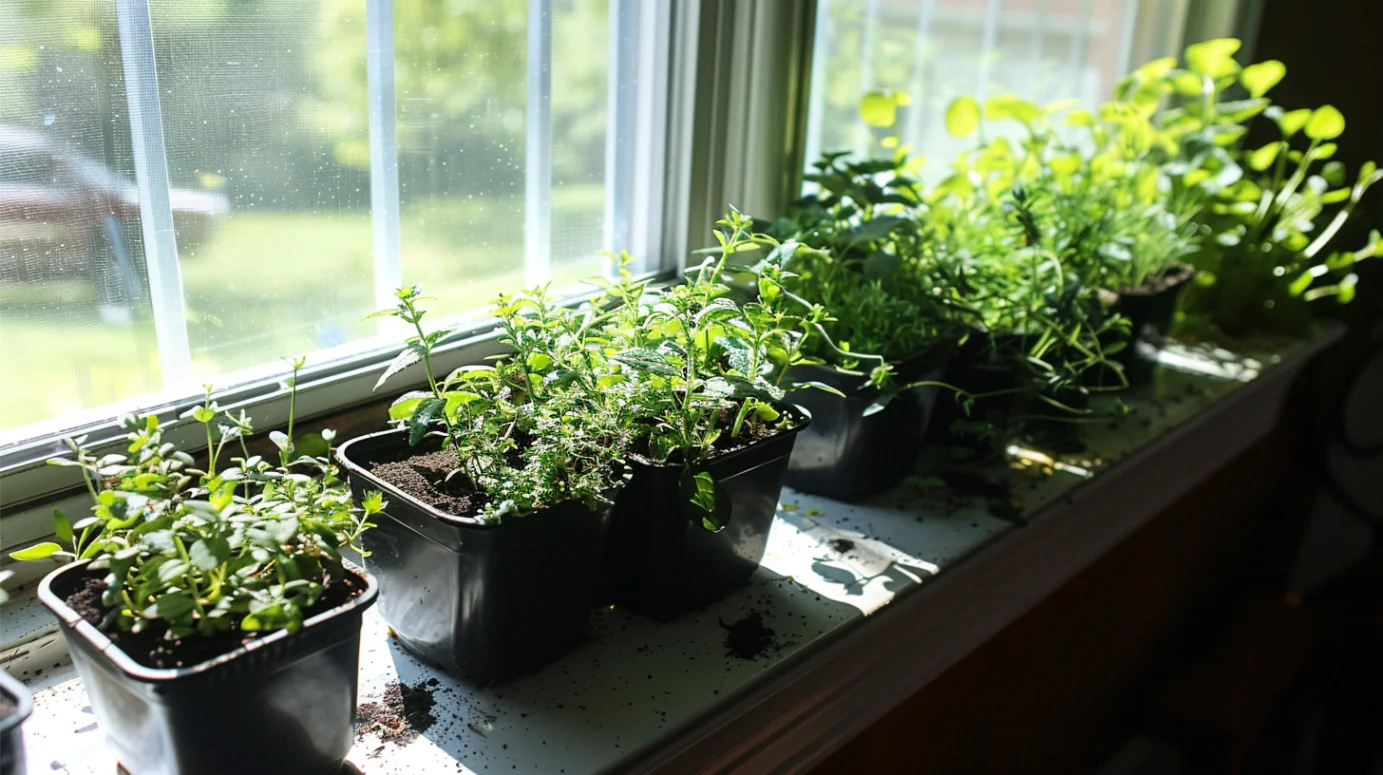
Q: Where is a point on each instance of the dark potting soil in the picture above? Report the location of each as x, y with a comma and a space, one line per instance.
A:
151, 649
842, 545
404, 713
423, 475
749, 637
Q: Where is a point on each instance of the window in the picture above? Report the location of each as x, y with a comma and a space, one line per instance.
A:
937, 50
191, 190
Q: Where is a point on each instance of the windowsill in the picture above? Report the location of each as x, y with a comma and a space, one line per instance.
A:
853, 636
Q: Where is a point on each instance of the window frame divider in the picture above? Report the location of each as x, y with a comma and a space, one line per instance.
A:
384, 153
140, 70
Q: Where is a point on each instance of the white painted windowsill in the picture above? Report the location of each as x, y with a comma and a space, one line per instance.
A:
868, 603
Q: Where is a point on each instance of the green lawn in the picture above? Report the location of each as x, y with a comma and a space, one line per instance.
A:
270, 285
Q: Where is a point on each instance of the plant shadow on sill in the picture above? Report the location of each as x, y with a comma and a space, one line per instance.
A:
851, 566
630, 682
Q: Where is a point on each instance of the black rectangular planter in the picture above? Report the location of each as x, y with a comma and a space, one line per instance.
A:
282, 704
662, 563
848, 456
12, 725
485, 602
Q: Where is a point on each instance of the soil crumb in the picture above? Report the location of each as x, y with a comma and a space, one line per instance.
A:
749, 637
404, 713
842, 545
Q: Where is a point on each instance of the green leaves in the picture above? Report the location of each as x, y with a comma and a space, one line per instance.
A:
704, 500
1261, 77
1213, 58
37, 552
427, 410
209, 553
1326, 123
880, 108
1263, 158
963, 117
1010, 106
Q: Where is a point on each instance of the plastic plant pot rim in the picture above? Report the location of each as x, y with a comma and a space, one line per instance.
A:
446, 517
153, 675
803, 417
23, 704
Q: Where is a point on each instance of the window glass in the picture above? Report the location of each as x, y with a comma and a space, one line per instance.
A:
937, 50
500, 110
266, 124
464, 125
75, 325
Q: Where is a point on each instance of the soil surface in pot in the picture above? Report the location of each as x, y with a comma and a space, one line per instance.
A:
151, 649
423, 475
404, 713
1155, 284
7, 706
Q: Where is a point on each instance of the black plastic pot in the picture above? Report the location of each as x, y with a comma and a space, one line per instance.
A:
283, 703
1150, 317
12, 725
485, 602
662, 563
846, 455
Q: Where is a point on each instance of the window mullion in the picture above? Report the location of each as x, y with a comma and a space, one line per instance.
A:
1126, 37
537, 200
867, 35
151, 176
988, 40
636, 129
1078, 48
926, 16
384, 151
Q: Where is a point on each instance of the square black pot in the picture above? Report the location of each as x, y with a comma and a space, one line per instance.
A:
283, 703
847, 455
663, 563
484, 602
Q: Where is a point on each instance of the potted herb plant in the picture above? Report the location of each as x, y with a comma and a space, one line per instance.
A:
705, 377
209, 611
1095, 196
1271, 214
866, 258
501, 479
15, 707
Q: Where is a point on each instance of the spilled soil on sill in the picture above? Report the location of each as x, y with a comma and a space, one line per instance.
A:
400, 716
749, 637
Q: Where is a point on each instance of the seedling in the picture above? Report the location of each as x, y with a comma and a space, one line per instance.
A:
187, 551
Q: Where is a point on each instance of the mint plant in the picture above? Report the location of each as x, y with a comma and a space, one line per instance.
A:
538, 428
251, 546
703, 372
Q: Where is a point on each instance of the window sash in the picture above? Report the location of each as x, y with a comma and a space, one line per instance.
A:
642, 85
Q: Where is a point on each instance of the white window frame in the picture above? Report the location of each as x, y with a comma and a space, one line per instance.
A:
651, 119
728, 126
